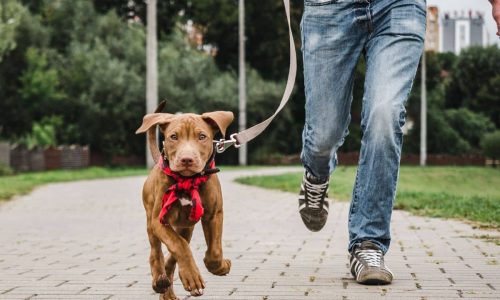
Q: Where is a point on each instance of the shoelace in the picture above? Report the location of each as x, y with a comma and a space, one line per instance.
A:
315, 191
372, 257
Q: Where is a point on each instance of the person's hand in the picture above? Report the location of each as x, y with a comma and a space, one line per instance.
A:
496, 13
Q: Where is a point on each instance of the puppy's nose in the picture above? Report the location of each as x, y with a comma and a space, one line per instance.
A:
187, 161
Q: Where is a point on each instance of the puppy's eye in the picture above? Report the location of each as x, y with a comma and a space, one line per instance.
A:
202, 136
173, 137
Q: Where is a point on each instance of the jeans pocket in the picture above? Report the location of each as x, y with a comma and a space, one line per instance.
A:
408, 18
319, 2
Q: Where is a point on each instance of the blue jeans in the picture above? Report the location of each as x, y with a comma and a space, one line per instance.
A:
390, 34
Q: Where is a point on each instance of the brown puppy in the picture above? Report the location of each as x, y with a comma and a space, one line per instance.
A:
188, 147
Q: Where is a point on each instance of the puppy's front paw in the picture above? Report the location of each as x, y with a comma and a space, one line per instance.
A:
161, 284
192, 280
220, 267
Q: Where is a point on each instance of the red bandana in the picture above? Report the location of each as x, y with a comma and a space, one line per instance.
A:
188, 185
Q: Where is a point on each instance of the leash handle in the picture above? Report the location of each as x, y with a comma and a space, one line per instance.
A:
243, 137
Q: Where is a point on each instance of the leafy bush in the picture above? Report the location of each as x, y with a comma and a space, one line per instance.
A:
471, 126
5, 170
442, 138
43, 134
491, 144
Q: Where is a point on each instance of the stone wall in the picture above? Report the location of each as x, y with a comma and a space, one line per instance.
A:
4, 153
62, 157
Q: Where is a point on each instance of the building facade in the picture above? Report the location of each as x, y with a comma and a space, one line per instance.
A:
463, 30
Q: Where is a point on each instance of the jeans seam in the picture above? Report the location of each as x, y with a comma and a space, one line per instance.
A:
370, 19
310, 3
354, 197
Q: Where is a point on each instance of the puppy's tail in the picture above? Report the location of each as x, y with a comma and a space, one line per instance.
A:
153, 145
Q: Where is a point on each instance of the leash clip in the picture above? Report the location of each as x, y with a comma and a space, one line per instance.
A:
222, 144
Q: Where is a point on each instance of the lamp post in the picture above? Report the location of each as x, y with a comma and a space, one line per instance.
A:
151, 68
423, 113
242, 116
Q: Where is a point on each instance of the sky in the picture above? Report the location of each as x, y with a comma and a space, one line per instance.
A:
483, 6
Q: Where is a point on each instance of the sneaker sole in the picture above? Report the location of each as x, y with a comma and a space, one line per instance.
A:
314, 227
374, 278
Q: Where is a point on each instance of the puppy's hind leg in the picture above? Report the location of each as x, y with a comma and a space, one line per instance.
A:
170, 263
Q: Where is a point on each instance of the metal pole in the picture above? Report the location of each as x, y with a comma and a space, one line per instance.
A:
423, 114
151, 68
242, 120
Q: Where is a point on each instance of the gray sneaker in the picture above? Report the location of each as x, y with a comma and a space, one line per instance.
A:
367, 265
313, 208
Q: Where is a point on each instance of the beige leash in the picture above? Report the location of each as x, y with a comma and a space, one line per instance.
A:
240, 138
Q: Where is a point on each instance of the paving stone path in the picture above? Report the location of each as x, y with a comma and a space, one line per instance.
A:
87, 240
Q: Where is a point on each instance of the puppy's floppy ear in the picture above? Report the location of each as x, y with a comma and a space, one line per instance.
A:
221, 119
154, 119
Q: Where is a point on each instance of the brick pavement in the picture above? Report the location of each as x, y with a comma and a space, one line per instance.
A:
87, 240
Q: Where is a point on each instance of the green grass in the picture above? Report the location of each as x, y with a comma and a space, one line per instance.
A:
24, 183
471, 193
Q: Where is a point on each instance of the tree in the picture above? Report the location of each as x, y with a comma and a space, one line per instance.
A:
15, 118
11, 14
169, 13
83, 62
106, 87
190, 81
40, 89
474, 72
267, 33
489, 98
